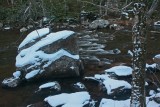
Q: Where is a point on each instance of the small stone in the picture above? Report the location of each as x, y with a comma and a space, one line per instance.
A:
100, 23
1, 25
79, 86
10, 82
23, 29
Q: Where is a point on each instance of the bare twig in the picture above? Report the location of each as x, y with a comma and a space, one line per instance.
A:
152, 8
127, 6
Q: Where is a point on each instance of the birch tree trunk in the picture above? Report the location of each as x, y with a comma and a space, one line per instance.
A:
138, 97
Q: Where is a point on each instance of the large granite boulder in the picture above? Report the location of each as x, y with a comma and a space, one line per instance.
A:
156, 59
99, 23
43, 55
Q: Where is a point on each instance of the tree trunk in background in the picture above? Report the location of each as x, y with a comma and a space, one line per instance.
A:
138, 97
100, 7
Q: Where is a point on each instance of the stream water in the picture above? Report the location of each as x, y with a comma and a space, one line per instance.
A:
25, 94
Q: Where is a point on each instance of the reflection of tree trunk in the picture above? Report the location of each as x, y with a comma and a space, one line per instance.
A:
138, 61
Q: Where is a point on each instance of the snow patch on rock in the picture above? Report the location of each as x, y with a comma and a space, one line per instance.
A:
17, 74
78, 99
52, 85
34, 35
120, 70
110, 84
125, 103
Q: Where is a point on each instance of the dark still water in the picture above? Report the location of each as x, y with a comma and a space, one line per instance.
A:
8, 52
25, 94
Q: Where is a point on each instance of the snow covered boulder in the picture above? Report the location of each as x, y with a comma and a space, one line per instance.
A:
111, 86
43, 55
33, 37
99, 23
78, 99
156, 59
52, 55
120, 71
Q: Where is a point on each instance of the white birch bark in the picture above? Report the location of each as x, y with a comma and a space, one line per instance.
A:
139, 56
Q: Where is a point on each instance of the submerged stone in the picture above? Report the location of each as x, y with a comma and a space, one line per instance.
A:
11, 82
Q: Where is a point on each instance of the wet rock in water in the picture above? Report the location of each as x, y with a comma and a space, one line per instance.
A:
99, 23
79, 86
1, 25
23, 29
11, 82
156, 59
7, 27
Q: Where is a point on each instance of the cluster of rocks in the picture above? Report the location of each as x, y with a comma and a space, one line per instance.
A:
44, 54
91, 44
108, 83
